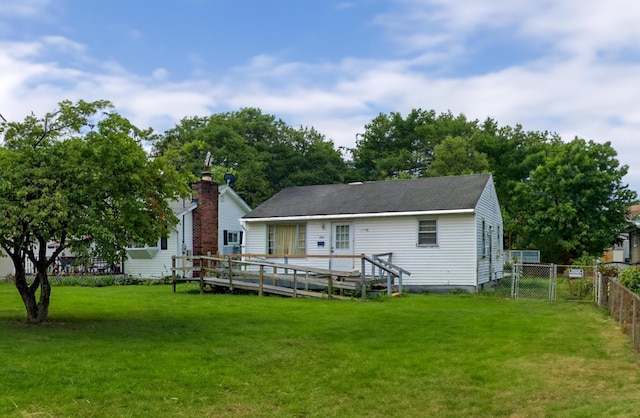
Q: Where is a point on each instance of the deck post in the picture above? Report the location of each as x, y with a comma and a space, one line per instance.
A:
388, 283
363, 276
201, 276
230, 272
330, 286
306, 280
261, 281
173, 273
295, 283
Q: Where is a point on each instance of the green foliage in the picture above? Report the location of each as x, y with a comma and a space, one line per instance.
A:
573, 204
392, 145
264, 153
85, 281
80, 177
630, 278
457, 156
608, 271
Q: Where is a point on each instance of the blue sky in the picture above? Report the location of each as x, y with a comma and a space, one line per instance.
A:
566, 66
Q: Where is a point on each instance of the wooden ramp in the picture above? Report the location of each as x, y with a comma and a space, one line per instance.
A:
267, 277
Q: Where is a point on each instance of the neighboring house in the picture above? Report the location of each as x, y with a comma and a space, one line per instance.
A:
6, 265
634, 234
208, 223
446, 231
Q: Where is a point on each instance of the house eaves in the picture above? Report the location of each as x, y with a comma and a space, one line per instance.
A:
357, 215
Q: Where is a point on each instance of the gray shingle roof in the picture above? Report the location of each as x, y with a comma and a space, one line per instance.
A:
419, 195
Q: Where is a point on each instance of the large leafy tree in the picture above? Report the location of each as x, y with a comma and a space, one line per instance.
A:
79, 177
263, 152
573, 204
395, 146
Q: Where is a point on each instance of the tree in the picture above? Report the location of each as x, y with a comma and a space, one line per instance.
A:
457, 156
393, 146
573, 204
78, 176
263, 152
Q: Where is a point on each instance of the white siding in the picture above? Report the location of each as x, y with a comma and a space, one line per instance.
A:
490, 266
443, 265
229, 214
157, 267
6, 265
180, 240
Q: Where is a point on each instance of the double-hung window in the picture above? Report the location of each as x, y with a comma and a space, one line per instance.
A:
427, 233
286, 238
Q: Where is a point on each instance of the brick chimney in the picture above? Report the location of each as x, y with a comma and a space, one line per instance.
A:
205, 216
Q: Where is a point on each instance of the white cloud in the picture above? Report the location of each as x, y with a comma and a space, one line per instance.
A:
24, 8
568, 88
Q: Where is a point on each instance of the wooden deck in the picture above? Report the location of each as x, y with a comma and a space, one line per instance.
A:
266, 277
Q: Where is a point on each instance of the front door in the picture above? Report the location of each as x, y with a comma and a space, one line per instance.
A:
341, 244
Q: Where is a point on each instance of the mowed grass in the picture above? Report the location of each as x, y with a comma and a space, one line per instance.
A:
141, 351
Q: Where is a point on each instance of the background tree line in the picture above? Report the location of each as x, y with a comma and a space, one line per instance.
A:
566, 199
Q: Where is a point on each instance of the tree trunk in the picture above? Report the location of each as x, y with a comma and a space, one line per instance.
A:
37, 312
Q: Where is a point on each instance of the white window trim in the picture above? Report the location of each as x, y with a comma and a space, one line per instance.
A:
437, 233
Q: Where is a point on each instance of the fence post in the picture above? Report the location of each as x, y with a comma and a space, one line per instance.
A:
634, 323
553, 274
621, 304
514, 276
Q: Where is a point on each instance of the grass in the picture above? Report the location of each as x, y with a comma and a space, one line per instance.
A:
138, 351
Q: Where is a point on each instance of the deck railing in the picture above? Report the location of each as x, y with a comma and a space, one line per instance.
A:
256, 268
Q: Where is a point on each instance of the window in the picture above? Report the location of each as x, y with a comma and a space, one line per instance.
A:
232, 237
164, 243
286, 238
342, 240
427, 232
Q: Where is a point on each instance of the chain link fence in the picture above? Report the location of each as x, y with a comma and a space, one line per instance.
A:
624, 306
548, 282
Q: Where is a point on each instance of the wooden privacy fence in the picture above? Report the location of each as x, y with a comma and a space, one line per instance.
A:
624, 306
256, 273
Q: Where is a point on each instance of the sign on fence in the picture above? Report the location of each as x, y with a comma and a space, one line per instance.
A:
576, 273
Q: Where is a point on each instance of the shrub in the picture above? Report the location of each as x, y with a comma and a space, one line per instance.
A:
630, 278
608, 271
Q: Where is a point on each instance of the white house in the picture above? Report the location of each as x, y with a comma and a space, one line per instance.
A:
446, 231
208, 223
6, 266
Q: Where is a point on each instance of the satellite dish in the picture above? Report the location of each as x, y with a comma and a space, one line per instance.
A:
229, 179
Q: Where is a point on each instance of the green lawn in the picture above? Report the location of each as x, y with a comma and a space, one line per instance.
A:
141, 351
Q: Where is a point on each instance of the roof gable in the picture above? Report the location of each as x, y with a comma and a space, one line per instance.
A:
418, 195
